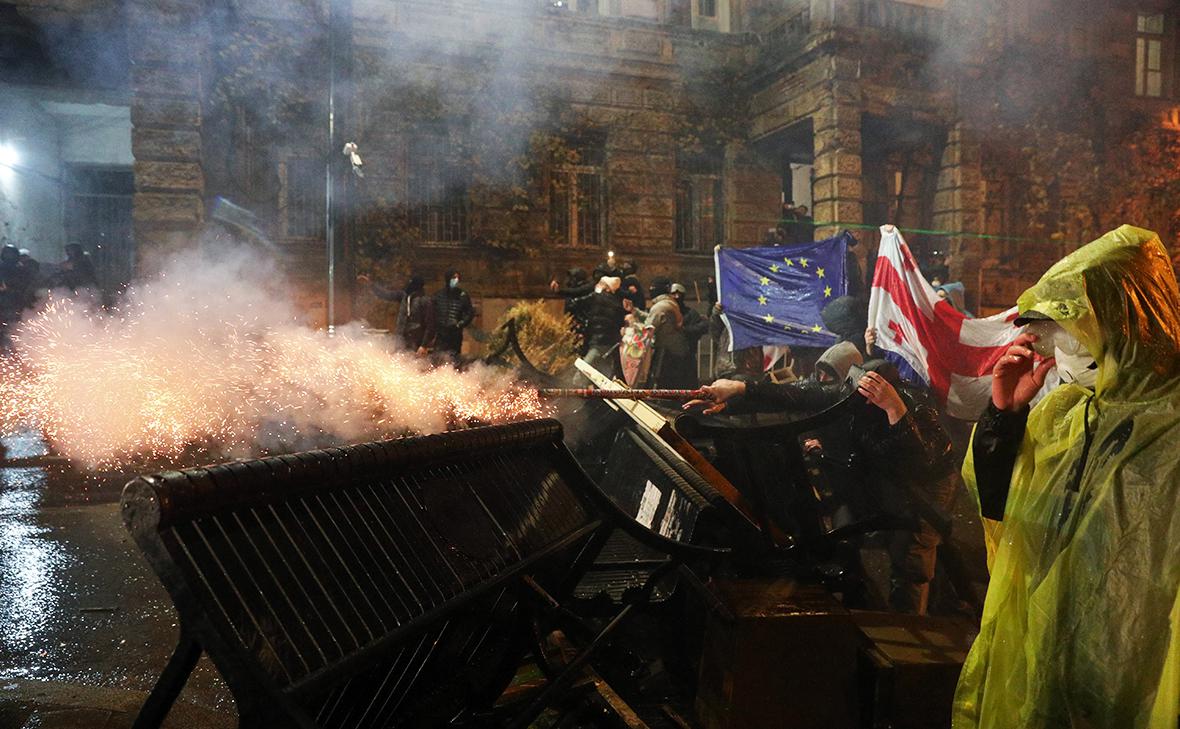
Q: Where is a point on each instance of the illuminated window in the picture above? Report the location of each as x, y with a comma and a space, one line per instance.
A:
577, 199
589, 7
1149, 51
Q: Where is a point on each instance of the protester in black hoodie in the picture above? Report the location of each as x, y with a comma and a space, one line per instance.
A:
415, 317
847, 317
894, 447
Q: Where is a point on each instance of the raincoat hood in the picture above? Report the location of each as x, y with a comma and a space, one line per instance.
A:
1118, 296
1081, 625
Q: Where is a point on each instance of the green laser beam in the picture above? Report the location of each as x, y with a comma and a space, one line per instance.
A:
925, 231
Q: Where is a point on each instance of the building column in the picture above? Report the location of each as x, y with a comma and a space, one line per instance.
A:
837, 192
168, 45
958, 206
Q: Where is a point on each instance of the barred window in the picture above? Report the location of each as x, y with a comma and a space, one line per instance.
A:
707, 8
1149, 53
303, 198
437, 201
577, 198
700, 209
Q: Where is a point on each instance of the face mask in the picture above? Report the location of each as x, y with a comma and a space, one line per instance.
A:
454, 282
1051, 337
1079, 368
1074, 362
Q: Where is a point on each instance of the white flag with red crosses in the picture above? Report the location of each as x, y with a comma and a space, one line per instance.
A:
927, 337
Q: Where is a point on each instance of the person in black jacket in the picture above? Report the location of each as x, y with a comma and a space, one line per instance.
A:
604, 314
577, 285
894, 444
415, 317
453, 312
632, 293
848, 318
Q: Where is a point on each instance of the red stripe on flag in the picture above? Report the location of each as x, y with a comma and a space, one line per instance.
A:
945, 353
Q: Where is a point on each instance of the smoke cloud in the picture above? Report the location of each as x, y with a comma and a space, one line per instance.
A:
210, 360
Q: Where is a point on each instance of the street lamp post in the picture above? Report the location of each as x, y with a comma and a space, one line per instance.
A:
339, 75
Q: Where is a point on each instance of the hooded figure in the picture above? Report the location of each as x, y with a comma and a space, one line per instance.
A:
414, 326
955, 294
415, 317
670, 345
1081, 626
834, 363
847, 317
890, 457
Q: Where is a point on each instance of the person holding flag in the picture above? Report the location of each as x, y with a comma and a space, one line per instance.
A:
927, 337
775, 295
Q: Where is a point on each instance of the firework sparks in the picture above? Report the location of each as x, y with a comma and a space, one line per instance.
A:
186, 370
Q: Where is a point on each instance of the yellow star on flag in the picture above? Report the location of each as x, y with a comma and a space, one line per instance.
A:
786, 327
762, 300
769, 318
789, 262
817, 328
764, 281
827, 291
774, 268
819, 272
803, 262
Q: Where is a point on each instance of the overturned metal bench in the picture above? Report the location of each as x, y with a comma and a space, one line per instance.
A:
376, 585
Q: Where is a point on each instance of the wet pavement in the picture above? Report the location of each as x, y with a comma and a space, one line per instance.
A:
85, 626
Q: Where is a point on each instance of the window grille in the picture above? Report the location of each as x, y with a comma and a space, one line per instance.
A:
438, 205
577, 198
304, 198
700, 209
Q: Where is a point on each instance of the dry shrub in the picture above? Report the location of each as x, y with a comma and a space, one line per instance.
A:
548, 341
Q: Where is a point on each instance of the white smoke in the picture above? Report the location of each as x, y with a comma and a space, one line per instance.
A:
210, 359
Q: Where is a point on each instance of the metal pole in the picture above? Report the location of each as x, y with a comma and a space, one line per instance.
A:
329, 203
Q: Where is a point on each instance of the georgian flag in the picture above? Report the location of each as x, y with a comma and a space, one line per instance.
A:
922, 333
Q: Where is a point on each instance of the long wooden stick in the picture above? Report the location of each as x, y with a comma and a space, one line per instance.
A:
593, 393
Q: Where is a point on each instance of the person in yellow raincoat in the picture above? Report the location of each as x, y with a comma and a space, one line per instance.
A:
1081, 625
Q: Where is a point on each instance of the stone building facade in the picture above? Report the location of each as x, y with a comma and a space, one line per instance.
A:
514, 139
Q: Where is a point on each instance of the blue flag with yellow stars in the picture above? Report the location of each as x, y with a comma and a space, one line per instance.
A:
774, 294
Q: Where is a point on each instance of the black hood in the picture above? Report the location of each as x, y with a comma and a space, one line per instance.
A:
846, 317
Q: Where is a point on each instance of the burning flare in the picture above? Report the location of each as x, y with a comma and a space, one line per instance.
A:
210, 360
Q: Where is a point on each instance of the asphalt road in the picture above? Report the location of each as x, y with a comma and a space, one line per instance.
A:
82, 614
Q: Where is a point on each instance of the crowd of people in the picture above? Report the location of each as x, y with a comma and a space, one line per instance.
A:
23, 279
1077, 485
895, 418
647, 337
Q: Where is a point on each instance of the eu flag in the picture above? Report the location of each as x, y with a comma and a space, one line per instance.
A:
774, 294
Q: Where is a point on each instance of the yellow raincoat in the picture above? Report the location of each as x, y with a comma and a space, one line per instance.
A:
1081, 626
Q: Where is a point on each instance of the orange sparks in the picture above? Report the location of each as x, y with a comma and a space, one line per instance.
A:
177, 376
